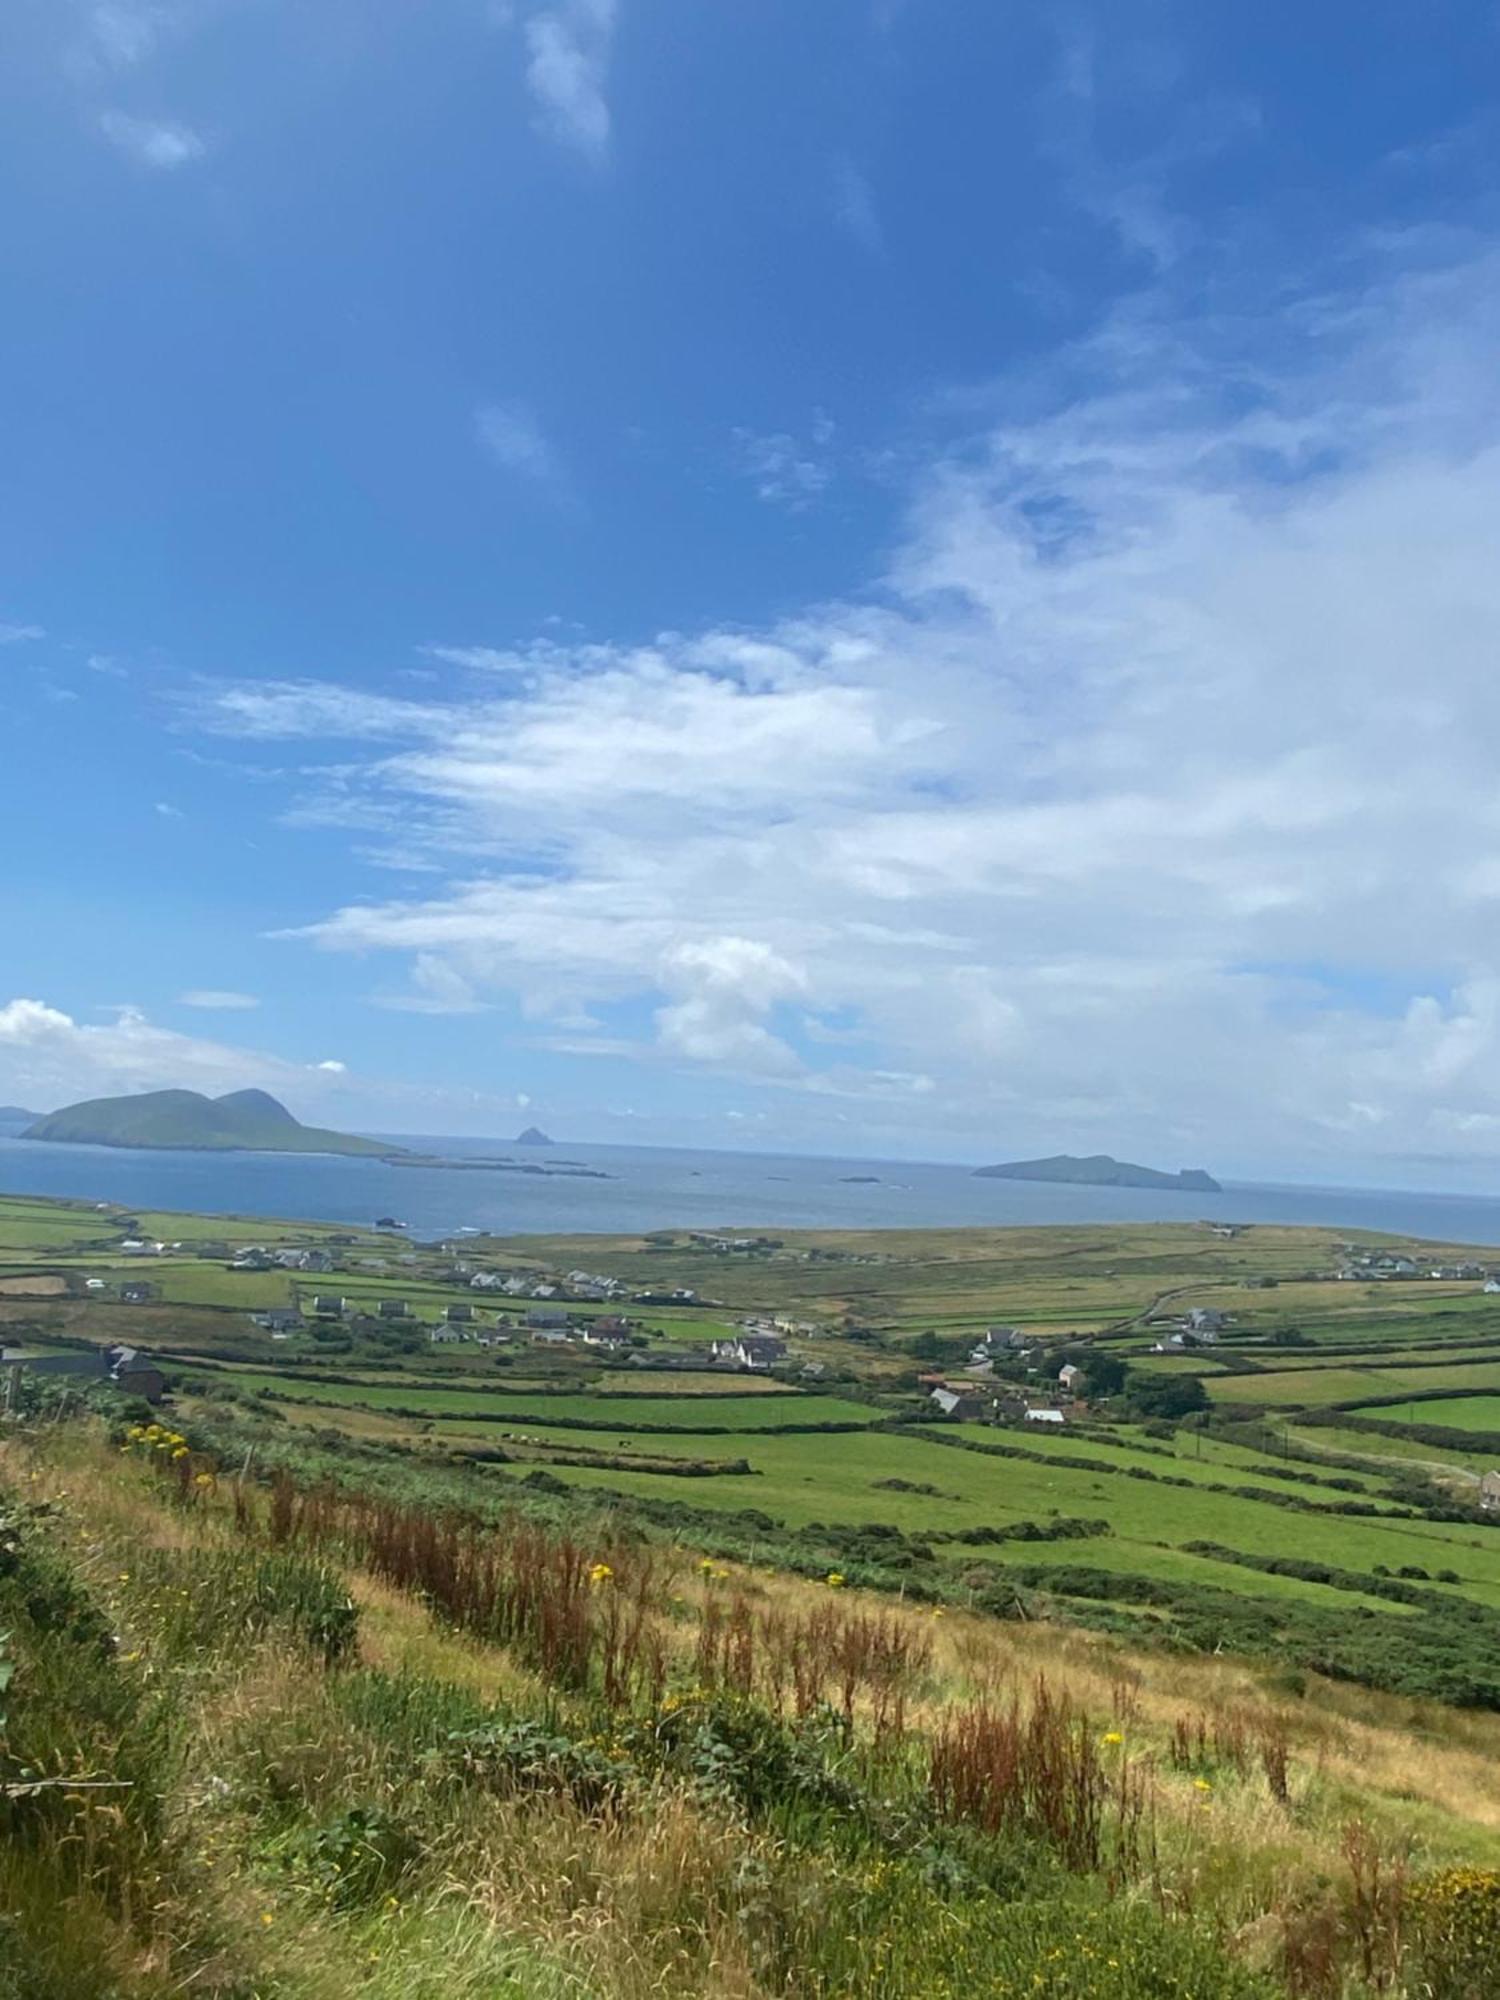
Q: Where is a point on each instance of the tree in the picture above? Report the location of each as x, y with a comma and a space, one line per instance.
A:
1169, 1396
1103, 1374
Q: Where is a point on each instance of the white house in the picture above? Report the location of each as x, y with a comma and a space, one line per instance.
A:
1045, 1417
750, 1350
1069, 1374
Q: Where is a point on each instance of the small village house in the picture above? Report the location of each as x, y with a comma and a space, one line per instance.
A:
756, 1351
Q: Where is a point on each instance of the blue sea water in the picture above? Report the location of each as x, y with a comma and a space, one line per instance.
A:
666, 1188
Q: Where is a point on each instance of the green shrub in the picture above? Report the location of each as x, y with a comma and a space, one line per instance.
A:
350, 1860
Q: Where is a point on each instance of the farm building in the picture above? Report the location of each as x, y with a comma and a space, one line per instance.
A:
124, 1368
961, 1404
278, 1320
750, 1350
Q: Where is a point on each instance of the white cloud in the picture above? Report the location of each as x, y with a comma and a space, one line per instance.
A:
166, 811
725, 987
216, 998
853, 205
787, 471
568, 49
511, 435
478, 659
333, 1068
152, 142
17, 635
124, 34
48, 1057
1149, 803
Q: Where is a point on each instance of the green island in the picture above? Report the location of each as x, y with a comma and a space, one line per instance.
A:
241, 1120
1065, 1611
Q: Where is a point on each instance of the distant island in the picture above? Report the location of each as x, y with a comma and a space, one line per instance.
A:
533, 1136
249, 1121
12, 1114
1099, 1170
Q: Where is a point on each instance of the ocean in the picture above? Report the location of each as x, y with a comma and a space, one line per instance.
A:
649, 1187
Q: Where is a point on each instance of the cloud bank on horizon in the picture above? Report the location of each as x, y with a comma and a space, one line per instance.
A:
1127, 784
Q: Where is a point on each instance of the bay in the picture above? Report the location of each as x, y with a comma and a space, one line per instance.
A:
650, 1187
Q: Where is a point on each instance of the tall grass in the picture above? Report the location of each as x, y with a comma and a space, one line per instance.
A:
1038, 1769
581, 1616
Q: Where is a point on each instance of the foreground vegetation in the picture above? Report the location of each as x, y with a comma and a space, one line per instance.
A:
400, 1735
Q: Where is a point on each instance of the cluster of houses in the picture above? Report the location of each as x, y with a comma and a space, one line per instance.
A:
1368, 1265
977, 1399
974, 1402
730, 1246
256, 1257
584, 1285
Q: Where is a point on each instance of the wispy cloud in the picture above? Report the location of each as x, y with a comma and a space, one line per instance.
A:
18, 635
853, 204
151, 142
787, 471
512, 436
216, 999
568, 49
480, 659
123, 33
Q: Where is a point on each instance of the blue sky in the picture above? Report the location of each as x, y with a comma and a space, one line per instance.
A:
869, 576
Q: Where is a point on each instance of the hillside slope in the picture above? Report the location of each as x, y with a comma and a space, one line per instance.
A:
336, 1744
243, 1120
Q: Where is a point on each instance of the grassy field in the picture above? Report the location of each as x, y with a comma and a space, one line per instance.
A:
1463, 1413
727, 1412
1312, 1388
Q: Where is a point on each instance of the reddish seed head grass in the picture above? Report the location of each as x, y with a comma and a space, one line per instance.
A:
1038, 1771
582, 1616
830, 1656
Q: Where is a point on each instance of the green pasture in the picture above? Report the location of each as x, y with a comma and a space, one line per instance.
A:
1463, 1413
1398, 1453
837, 1478
1315, 1388
752, 1412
